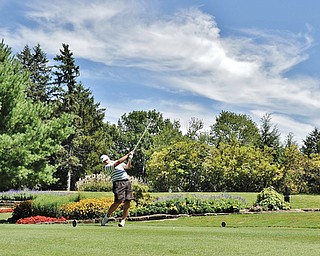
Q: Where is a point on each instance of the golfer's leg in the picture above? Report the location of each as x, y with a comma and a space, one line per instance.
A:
113, 207
126, 207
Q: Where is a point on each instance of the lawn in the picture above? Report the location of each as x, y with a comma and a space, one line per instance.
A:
244, 234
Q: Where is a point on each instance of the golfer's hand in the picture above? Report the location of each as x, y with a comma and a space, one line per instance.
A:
130, 155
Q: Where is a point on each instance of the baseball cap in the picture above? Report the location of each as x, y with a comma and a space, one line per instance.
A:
104, 158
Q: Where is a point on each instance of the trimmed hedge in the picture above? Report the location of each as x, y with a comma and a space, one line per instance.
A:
192, 205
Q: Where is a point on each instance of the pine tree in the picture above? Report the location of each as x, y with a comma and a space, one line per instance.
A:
36, 63
74, 99
89, 126
28, 134
270, 135
311, 145
65, 74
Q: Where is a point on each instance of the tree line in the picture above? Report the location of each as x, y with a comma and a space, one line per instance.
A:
52, 133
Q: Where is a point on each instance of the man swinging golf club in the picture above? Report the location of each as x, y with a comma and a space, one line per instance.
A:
122, 188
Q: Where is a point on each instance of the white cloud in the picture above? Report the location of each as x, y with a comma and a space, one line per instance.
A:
184, 51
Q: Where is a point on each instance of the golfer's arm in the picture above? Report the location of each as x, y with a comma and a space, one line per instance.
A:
121, 160
129, 164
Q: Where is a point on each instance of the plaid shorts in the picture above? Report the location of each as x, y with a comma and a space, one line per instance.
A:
122, 190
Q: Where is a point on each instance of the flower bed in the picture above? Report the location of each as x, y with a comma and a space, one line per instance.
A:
5, 210
41, 219
89, 208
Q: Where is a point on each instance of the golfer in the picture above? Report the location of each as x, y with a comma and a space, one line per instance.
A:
122, 188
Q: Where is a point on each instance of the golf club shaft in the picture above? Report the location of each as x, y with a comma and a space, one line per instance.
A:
145, 130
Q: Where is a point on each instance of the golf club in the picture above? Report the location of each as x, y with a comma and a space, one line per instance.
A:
145, 130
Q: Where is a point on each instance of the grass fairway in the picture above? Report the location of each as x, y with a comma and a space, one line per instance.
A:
251, 234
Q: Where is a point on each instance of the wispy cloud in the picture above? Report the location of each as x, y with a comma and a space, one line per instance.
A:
184, 52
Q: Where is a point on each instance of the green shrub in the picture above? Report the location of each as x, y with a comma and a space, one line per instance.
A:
44, 204
192, 205
21, 210
270, 199
141, 193
49, 204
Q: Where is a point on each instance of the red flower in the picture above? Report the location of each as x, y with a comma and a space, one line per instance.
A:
40, 219
5, 210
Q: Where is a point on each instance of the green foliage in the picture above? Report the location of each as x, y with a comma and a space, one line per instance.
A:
35, 61
270, 135
311, 145
178, 167
192, 205
141, 193
301, 174
270, 199
241, 168
78, 156
131, 126
194, 166
49, 204
234, 128
21, 210
43, 204
28, 133
312, 175
194, 127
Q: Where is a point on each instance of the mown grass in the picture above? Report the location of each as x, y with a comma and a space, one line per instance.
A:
275, 233
270, 219
244, 234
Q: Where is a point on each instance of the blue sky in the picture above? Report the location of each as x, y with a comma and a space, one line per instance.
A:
185, 58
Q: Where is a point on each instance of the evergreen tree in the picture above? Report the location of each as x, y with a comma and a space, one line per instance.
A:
270, 135
81, 149
311, 145
87, 140
290, 141
28, 134
36, 63
65, 75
